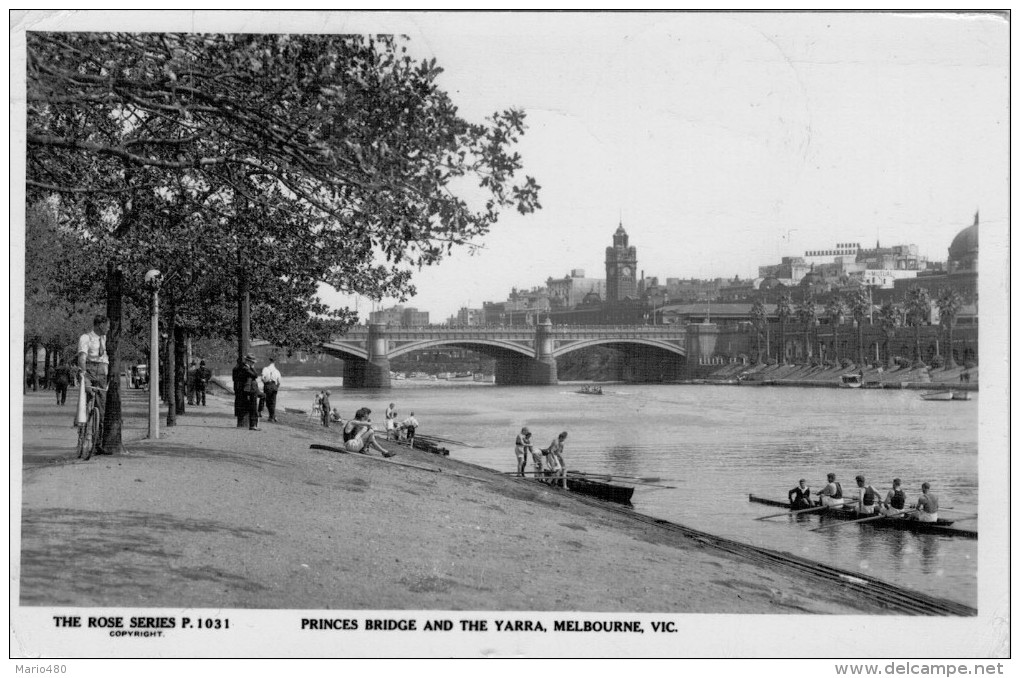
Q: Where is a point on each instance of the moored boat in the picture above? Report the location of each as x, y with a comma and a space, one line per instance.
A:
942, 527
851, 380
961, 395
937, 395
619, 494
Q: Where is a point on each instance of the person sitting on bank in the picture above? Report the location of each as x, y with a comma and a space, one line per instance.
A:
832, 493
800, 496
335, 415
895, 500
868, 498
359, 436
927, 505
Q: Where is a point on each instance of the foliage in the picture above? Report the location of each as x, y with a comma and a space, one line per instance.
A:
949, 303
937, 361
836, 310
918, 312
784, 309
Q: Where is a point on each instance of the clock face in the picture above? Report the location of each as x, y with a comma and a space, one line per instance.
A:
625, 270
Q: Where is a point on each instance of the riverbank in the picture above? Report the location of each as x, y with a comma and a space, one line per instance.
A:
831, 377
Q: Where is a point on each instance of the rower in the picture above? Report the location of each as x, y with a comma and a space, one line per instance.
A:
832, 493
895, 500
867, 498
800, 496
927, 505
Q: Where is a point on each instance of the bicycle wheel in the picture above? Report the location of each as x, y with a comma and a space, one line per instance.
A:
89, 435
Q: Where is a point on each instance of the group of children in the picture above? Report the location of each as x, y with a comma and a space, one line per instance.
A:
548, 459
403, 430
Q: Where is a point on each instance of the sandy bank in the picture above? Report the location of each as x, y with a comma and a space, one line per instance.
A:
215, 516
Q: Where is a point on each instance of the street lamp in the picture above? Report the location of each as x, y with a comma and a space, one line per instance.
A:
152, 280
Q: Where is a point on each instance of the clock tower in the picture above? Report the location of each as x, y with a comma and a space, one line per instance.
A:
621, 268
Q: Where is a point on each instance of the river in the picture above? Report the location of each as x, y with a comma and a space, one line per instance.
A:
713, 445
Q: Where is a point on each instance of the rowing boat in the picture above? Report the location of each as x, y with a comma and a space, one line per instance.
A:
942, 527
937, 395
592, 488
429, 446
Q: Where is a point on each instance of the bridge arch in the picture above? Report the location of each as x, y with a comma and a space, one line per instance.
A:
471, 344
345, 351
618, 342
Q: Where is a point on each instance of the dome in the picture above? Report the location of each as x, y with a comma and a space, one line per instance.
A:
964, 244
964, 250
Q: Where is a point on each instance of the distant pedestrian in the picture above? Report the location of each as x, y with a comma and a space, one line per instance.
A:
61, 380
261, 390
409, 426
202, 377
271, 384
522, 447
324, 409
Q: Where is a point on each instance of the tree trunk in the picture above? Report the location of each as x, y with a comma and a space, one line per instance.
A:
782, 342
46, 367
180, 367
917, 343
35, 363
888, 351
835, 343
113, 419
243, 311
950, 360
860, 342
171, 350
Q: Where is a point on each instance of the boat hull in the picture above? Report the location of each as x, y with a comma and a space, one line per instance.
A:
938, 395
942, 527
594, 488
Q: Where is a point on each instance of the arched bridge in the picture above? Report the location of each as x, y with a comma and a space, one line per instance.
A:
524, 355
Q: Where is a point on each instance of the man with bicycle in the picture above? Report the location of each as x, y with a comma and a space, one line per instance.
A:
94, 364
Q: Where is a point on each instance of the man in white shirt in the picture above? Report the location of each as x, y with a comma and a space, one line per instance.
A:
94, 363
271, 384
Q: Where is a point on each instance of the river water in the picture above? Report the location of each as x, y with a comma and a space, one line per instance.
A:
713, 445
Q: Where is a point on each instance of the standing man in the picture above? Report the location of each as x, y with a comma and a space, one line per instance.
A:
237, 376
271, 384
94, 364
324, 409
522, 447
927, 505
251, 390
202, 377
391, 422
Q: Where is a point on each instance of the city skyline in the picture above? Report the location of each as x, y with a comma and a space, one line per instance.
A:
722, 142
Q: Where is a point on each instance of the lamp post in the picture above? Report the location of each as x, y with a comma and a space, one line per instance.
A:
152, 281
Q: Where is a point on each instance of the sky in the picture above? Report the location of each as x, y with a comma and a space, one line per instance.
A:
721, 141
725, 141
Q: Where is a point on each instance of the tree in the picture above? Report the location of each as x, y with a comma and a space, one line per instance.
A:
859, 305
835, 310
918, 308
889, 320
339, 154
808, 316
760, 321
784, 309
949, 303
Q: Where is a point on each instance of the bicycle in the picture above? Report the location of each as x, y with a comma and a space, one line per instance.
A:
90, 433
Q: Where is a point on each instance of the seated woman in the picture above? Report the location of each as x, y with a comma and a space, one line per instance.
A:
359, 436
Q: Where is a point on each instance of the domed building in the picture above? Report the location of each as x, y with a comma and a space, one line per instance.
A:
961, 269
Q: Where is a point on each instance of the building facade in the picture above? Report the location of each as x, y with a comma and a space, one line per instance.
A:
621, 269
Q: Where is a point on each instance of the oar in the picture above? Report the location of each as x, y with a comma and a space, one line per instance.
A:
792, 513
399, 463
861, 520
